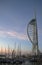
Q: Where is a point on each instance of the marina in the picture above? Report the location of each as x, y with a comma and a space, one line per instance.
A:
20, 32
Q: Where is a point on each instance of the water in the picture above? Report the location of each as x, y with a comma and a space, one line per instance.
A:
26, 63
32, 63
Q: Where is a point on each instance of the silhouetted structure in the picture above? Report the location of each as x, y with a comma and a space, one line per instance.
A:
33, 35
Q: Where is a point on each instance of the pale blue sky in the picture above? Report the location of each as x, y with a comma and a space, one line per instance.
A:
14, 17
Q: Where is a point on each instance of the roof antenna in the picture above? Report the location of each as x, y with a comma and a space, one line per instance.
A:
34, 13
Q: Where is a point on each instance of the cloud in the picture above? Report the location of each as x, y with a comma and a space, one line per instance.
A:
13, 34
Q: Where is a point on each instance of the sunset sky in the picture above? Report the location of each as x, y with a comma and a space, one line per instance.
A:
14, 17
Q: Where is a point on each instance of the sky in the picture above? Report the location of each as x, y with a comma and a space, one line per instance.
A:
14, 17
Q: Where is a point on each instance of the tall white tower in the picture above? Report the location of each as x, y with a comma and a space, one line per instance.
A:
33, 35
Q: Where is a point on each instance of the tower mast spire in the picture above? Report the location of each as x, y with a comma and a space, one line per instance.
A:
33, 34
